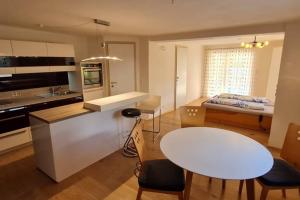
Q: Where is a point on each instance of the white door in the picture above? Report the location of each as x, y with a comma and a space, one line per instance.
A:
122, 73
181, 75
274, 73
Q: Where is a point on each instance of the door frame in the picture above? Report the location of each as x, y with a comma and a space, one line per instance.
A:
175, 73
107, 71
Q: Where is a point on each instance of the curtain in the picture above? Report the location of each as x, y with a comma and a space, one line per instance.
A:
228, 71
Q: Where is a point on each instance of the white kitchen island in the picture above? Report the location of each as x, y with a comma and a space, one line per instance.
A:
68, 138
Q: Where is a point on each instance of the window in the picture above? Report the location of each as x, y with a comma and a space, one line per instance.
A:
228, 71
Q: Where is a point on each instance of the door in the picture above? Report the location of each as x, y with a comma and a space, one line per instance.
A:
181, 76
122, 73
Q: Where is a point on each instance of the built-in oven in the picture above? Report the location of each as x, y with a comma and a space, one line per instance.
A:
92, 75
13, 118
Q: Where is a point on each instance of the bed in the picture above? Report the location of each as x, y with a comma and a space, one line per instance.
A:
242, 111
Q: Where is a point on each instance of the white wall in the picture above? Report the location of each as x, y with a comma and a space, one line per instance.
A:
274, 73
194, 72
263, 61
162, 72
287, 104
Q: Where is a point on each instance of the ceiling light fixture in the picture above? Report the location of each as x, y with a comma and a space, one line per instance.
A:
102, 45
254, 44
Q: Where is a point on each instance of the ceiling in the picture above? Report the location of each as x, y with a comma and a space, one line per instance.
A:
144, 17
226, 40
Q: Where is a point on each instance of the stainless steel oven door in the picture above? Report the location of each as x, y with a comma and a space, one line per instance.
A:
92, 77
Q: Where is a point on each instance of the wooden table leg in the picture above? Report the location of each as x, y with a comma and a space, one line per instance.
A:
188, 184
250, 189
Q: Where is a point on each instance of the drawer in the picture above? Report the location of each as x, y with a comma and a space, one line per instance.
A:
62, 68
7, 70
15, 138
36, 69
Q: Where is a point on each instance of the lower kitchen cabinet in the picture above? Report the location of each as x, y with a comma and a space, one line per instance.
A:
15, 129
14, 138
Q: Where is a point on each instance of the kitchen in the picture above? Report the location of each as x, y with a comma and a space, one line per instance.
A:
41, 75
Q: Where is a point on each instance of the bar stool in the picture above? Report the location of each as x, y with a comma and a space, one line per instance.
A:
128, 149
151, 106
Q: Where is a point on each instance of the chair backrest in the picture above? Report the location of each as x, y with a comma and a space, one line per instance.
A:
151, 103
139, 142
291, 146
191, 116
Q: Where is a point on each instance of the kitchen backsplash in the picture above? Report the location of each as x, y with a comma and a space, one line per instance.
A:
29, 92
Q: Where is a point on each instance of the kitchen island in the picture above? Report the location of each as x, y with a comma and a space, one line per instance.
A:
68, 138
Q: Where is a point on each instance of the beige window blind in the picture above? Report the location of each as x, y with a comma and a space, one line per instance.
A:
228, 71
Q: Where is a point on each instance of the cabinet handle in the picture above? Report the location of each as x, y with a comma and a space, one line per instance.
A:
11, 134
10, 118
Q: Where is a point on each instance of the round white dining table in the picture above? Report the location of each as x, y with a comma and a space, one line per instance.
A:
217, 153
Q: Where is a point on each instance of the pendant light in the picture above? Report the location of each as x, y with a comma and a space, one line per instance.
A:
254, 44
102, 45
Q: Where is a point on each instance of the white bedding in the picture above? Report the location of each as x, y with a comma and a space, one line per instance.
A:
268, 110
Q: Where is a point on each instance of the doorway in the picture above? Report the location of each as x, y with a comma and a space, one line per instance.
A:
121, 74
181, 64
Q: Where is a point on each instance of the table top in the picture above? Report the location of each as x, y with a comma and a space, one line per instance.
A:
52, 115
216, 153
115, 101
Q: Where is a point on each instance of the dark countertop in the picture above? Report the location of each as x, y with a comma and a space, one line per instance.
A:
25, 101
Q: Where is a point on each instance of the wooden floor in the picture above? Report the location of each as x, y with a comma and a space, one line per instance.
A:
111, 178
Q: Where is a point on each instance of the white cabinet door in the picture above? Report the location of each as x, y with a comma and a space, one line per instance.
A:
60, 50
93, 93
122, 73
36, 69
7, 70
27, 48
5, 48
70, 68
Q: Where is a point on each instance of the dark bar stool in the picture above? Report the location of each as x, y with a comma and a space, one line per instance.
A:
128, 149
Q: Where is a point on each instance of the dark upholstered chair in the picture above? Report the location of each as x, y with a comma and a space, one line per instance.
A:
285, 173
161, 176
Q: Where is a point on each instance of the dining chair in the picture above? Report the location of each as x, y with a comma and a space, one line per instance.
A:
191, 116
151, 106
285, 173
159, 175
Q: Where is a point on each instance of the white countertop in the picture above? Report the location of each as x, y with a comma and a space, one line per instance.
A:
116, 101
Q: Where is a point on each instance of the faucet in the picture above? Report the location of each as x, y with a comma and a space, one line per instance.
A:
54, 90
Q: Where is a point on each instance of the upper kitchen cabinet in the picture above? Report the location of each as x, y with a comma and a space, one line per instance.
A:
5, 48
60, 50
27, 48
